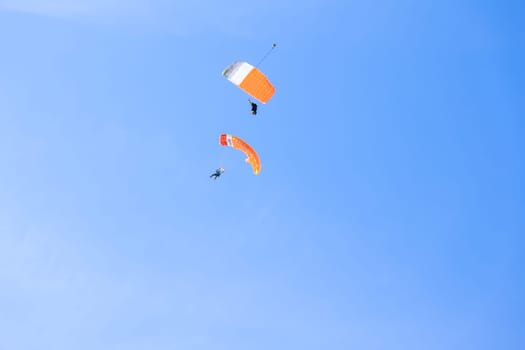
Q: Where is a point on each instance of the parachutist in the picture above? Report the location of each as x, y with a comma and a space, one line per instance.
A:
217, 173
254, 107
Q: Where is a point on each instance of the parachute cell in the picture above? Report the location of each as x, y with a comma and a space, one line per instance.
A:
250, 79
241, 145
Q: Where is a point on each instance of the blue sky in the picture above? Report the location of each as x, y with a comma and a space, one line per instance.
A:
389, 212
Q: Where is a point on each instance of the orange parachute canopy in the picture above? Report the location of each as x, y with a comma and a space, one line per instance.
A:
241, 145
250, 79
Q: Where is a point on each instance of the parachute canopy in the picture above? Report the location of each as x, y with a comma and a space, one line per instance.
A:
241, 145
250, 79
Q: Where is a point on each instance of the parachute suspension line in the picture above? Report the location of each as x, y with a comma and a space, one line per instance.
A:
274, 45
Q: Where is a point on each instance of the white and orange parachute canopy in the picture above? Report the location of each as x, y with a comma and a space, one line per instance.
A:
250, 79
241, 145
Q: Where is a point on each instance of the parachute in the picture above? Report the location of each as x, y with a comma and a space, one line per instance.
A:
250, 79
241, 145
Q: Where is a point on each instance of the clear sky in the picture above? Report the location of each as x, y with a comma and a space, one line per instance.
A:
389, 212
